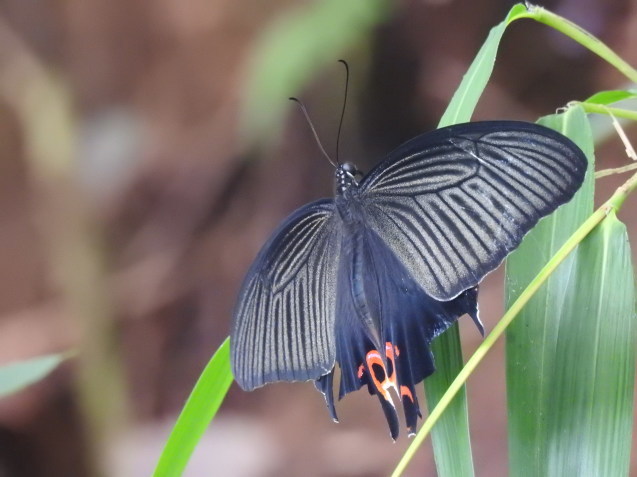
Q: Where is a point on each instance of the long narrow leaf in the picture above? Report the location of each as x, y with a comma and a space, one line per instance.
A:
532, 338
16, 376
450, 437
612, 96
591, 412
477, 76
201, 407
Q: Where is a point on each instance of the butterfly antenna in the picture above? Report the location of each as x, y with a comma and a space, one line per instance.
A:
309, 121
340, 123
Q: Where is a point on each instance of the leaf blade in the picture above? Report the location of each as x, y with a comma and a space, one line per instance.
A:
16, 376
590, 423
474, 81
450, 437
611, 96
200, 408
531, 338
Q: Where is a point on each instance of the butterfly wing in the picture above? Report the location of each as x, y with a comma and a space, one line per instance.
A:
283, 328
454, 202
391, 351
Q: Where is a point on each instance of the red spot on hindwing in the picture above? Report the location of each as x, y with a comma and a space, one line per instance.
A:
382, 372
405, 392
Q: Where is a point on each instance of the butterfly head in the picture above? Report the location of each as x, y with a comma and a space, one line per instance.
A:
347, 176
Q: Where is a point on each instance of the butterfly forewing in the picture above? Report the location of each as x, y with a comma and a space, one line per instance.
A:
283, 328
453, 203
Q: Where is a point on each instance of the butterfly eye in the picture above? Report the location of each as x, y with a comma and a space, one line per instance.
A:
351, 170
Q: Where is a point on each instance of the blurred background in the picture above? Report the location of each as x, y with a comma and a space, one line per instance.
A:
144, 160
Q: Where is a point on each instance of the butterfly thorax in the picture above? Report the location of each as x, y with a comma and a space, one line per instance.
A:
347, 176
358, 272
347, 201
350, 210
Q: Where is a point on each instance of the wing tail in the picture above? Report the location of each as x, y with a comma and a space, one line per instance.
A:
410, 319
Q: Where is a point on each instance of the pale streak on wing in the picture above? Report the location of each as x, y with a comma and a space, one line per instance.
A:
283, 328
453, 203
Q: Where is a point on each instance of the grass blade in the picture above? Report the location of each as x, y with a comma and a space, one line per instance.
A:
450, 437
531, 339
591, 413
16, 376
611, 96
475, 79
200, 409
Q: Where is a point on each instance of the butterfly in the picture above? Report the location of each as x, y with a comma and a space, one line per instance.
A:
368, 279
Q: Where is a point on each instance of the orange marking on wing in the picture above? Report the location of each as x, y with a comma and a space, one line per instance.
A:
361, 370
390, 352
372, 358
405, 392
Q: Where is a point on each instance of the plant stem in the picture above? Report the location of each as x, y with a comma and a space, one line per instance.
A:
602, 109
617, 170
581, 36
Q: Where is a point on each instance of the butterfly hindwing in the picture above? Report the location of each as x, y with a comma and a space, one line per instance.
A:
283, 327
390, 353
451, 204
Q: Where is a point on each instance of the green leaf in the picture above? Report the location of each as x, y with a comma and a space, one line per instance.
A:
612, 96
200, 409
17, 376
475, 79
532, 338
591, 413
450, 436
290, 53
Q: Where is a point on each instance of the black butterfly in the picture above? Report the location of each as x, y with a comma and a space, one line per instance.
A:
369, 278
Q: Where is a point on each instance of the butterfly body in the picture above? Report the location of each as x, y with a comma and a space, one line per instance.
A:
368, 279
